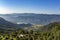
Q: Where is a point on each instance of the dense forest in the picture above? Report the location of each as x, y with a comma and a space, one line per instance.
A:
50, 32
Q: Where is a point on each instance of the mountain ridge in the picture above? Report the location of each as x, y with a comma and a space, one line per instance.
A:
32, 18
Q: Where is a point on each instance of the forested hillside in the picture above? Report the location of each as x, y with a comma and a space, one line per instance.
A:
50, 32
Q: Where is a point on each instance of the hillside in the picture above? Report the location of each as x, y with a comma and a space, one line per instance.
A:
8, 31
6, 25
51, 26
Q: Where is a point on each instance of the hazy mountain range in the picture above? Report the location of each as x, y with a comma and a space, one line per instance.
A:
31, 18
6, 25
36, 22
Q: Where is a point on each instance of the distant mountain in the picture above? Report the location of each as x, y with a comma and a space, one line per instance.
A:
6, 25
9, 25
20, 18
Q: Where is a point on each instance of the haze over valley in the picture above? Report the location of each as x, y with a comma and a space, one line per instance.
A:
29, 19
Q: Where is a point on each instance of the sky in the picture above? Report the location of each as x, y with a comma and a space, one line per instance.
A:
30, 6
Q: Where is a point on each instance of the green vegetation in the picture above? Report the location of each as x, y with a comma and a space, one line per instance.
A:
52, 34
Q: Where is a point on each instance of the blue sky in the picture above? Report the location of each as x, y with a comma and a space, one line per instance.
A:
30, 6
